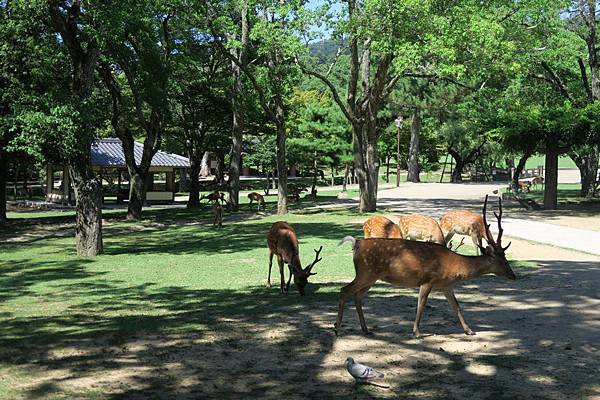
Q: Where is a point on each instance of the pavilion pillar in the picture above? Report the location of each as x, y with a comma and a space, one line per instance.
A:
49, 182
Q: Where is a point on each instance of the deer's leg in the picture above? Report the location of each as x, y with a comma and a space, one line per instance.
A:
358, 297
477, 242
281, 276
287, 285
449, 293
424, 291
346, 292
448, 237
270, 265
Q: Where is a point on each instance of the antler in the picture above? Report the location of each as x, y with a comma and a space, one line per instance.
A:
496, 244
312, 264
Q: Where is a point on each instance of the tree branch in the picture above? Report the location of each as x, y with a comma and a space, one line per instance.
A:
584, 78
557, 81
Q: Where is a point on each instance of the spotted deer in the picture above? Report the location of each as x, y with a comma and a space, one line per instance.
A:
463, 222
258, 198
421, 227
283, 243
214, 196
381, 227
428, 266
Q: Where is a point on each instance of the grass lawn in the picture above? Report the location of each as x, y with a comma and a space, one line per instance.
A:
172, 274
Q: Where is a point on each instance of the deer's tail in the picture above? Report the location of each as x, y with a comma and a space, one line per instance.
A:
350, 239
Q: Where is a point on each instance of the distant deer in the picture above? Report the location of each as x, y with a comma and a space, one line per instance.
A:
218, 214
381, 227
421, 227
463, 222
258, 198
524, 186
283, 242
537, 180
425, 265
214, 196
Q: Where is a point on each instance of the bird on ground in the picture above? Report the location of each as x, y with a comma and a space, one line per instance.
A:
362, 373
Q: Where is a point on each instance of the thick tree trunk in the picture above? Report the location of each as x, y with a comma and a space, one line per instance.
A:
413, 152
551, 172
88, 225
519, 169
137, 193
3, 168
587, 162
194, 198
205, 165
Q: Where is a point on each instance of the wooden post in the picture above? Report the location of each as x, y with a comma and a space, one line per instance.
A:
65, 182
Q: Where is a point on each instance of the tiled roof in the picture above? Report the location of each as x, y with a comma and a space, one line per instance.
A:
109, 152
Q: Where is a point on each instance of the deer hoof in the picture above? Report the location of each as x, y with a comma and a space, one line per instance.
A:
416, 334
469, 332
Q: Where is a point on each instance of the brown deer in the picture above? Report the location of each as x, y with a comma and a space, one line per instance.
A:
381, 227
524, 186
421, 227
218, 214
428, 266
214, 196
258, 198
283, 242
537, 180
463, 222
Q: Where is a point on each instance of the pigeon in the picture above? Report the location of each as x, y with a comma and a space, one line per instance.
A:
362, 373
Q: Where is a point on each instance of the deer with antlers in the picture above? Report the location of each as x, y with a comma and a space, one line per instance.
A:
258, 198
381, 227
421, 227
463, 222
428, 266
283, 242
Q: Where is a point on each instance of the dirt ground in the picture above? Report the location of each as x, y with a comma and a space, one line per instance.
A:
537, 338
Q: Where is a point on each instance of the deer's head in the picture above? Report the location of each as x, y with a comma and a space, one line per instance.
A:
494, 249
301, 275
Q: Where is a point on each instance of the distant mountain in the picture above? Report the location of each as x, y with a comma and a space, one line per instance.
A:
324, 50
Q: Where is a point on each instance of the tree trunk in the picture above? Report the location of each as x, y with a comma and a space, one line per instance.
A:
315, 173
413, 152
88, 225
282, 192
205, 165
3, 168
137, 193
366, 165
194, 198
268, 182
346, 173
587, 162
387, 169
519, 169
237, 109
551, 172
457, 173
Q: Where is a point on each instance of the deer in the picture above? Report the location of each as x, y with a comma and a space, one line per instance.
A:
537, 180
428, 266
463, 222
524, 186
381, 227
214, 196
421, 227
258, 198
218, 214
283, 242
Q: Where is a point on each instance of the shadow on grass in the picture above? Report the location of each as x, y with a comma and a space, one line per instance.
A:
148, 341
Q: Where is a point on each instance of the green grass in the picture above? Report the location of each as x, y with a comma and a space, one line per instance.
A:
567, 193
170, 274
563, 162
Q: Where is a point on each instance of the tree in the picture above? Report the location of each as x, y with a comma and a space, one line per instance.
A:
67, 19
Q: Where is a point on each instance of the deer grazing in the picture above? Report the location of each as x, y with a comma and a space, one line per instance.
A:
421, 227
258, 198
428, 266
537, 180
381, 227
463, 222
283, 242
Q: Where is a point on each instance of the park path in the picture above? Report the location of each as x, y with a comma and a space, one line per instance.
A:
434, 199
